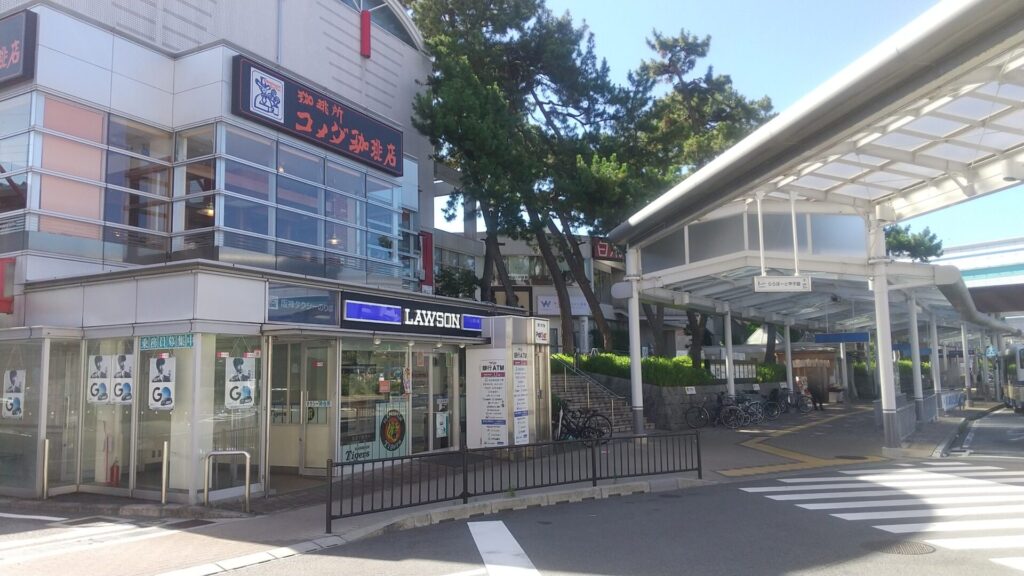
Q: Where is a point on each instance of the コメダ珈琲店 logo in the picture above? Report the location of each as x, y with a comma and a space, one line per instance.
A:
267, 95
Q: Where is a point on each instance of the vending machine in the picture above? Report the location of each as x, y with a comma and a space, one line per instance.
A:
508, 384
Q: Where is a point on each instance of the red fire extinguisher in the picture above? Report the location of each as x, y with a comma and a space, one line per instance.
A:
114, 478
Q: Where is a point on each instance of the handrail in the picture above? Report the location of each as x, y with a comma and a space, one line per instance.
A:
206, 473
577, 372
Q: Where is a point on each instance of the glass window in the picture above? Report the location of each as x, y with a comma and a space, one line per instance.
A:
345, 268
343, 208
295, 162
139, 138
244, 215
343, 238
138, 174
410, 221
14, 153
380, 246
380, 191
70, 197
345, 179
248, 146
297, 227
195, 142
200, 176
247, 180
199, 212
170, 385
15, 114
134, 246
380, 219
13, 192
20, 446
73, 158
72, 119
134, 210
410, 243
299, 195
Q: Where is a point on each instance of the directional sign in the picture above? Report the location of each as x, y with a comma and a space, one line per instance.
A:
782, 283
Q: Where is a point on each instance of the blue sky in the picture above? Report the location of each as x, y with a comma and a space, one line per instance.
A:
782, 49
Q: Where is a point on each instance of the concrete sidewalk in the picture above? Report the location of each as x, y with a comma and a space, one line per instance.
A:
833, 437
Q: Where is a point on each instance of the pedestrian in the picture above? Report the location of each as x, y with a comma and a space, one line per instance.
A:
816, 397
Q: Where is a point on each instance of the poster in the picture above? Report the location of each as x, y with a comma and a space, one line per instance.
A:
239, 382
520, 396
441, 425
122, 385
161, 383
13, 403
493, 420
98, 386
392, 429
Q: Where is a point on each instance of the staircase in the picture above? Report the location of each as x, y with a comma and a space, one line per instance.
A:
582, 391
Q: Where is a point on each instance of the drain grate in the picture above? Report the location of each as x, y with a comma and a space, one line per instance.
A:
186, 524
900, 547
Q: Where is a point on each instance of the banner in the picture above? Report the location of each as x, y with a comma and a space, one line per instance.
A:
161, 383
239, 382
13, 403
122, 384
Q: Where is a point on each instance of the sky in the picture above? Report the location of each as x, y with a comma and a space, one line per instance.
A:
782, 49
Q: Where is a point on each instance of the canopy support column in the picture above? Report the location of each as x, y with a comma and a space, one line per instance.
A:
633, 274
789, 356
966, 366
933, 329
730, 374
915, 358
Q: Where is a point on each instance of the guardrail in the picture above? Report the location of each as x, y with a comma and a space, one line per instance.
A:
388, 484
906, 420
206, 473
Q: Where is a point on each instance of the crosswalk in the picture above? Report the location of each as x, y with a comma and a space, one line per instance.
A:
950, 505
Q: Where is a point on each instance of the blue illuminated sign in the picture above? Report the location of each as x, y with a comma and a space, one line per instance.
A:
369, 312
471, 322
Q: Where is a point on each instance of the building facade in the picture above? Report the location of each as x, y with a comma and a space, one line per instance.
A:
212, 240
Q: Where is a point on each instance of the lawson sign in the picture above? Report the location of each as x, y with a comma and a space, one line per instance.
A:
394, 315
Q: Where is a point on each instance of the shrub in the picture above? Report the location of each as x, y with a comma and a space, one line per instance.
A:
656, 370
771, 373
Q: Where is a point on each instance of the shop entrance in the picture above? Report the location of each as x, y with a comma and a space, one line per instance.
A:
301, 405
433, 387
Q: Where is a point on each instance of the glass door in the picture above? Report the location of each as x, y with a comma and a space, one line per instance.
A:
315, 437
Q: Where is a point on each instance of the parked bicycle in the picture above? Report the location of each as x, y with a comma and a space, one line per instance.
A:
722, 412
581, 424
802, 403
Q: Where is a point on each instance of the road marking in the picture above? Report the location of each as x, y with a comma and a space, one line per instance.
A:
502, 555
994, 489
968, 525
476, 572
1016, 563
908, 471
30, 517
944, 463
933, 512
979, 542
891, 484
912, 502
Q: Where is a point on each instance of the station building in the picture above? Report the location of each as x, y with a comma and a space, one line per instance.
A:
215, 232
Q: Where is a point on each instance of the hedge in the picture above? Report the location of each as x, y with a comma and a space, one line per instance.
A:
659, 371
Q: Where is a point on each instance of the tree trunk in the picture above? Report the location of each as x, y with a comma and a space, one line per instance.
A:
564, 302
696, 321
494, 252
769, 345
656, 319
571, 251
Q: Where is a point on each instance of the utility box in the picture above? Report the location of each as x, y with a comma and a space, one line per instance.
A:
508, 384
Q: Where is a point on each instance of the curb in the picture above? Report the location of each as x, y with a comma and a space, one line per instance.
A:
439, 515
134, 510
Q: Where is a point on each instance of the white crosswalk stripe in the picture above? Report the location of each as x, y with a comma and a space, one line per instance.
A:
967, 507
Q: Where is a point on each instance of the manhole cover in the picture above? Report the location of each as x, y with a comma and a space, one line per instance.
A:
901, 547
851, 457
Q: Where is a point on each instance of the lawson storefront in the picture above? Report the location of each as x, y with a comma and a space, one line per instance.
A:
126, 381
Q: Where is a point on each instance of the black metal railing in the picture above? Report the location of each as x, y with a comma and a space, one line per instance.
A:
389, 484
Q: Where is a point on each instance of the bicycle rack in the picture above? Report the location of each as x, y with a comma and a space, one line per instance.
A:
206, 473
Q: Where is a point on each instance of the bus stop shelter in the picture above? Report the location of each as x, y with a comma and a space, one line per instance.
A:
787, 226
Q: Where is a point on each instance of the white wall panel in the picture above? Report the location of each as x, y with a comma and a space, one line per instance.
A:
202, 68
72, 76
166, 298
231, 299
140, 100
58, 307
143, 65
43, 268
75, 38
109, 303
200, 104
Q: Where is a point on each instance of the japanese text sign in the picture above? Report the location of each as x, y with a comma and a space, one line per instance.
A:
273, 99
17, 47
605, 250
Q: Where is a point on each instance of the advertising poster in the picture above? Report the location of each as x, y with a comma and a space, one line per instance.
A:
239, 382
13, 403
493, 420
392, 429
441, 425
98, 386
520, 396
122, 385
161, 383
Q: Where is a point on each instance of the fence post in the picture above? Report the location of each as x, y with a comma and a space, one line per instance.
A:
330, 492
465, 474
593, 463
700, 466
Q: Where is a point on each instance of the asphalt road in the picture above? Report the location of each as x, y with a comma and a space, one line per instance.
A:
1000, 433
937, 517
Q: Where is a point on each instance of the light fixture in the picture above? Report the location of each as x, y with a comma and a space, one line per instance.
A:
207, 211
411, 343
334, 240
461, 346
376, 340
438, 345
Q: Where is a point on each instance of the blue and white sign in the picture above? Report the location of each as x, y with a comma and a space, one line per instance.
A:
392, 315
358, 311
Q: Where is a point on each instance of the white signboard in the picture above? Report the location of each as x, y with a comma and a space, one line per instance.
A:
520, 396
782, 283
548, 305
13, 404
541, 331
691, 390
494, 420
161, 383
239, 383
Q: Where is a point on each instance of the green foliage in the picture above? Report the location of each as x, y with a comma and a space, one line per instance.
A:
678, 371
771, 373
455, 282
920, 247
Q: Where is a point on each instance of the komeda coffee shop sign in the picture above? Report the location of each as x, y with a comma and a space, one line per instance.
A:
277, 101
17, 48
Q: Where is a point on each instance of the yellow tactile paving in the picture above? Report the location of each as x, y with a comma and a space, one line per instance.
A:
802, 461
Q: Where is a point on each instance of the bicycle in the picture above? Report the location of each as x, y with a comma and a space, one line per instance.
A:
725, 413
802, 403
577, 424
